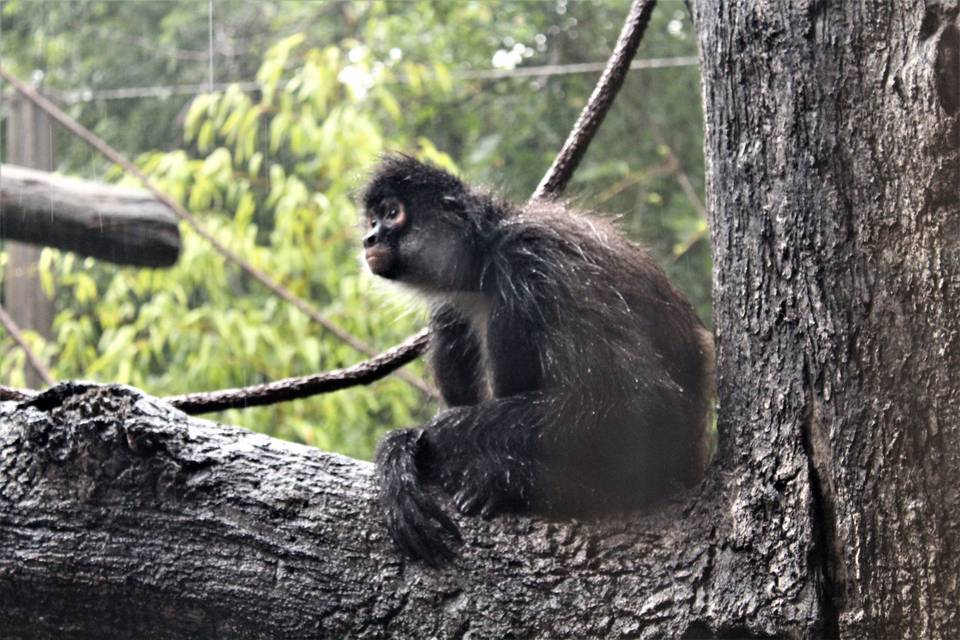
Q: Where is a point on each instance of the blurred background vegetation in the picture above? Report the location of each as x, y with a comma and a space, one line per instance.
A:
306, 95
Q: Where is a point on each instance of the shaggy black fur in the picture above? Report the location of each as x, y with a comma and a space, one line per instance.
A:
577, 378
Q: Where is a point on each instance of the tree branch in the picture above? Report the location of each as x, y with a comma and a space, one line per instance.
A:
32, 358
122, 517
117, 224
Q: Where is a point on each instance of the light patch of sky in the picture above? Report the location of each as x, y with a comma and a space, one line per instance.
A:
676, 26
509, 58
357, 76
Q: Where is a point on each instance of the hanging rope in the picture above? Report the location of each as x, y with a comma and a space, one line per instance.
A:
587, 125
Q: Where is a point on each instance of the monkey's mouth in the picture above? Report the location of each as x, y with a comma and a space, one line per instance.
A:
379, 260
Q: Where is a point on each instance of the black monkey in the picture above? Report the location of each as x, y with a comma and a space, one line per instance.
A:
577, 379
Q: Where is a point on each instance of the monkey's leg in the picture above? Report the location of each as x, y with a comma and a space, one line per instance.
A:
490, 456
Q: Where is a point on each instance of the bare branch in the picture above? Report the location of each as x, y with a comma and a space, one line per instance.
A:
116, 224
35, 362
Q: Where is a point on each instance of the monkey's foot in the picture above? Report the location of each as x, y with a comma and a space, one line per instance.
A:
488, 491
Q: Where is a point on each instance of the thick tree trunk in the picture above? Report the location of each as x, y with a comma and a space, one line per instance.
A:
833, 143
830, 510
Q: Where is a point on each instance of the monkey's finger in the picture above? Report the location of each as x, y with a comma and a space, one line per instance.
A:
468, 502
491, 507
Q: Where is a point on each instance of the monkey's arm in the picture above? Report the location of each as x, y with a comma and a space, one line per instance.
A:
481, 451
488, 455
455, 358
483, 455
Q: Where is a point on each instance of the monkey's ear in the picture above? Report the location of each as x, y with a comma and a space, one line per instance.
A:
453, 203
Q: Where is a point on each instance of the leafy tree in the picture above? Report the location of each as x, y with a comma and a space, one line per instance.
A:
274, 172
274, 178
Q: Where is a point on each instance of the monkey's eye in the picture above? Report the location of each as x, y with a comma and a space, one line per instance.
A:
392, 210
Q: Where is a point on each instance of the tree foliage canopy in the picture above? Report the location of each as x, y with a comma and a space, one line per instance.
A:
274, 173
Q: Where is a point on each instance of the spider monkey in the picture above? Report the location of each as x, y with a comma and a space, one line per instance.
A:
577, 380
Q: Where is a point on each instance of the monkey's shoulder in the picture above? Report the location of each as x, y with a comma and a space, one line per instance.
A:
552, 220
584, 263
551, 240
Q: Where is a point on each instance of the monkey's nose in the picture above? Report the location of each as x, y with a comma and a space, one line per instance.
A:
370, 239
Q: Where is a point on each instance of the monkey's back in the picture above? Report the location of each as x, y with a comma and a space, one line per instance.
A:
630, 359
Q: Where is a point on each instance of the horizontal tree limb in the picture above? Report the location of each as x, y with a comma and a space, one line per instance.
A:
107, 222
122, 517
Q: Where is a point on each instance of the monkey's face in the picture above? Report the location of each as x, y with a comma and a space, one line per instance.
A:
418, 243
387, 222
424, 227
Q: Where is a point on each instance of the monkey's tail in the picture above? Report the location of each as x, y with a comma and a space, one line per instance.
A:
413, 519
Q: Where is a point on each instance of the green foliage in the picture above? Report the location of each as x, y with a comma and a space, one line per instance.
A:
273, 173
273, 179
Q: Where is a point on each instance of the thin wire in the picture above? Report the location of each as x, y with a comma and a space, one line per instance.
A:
72, 96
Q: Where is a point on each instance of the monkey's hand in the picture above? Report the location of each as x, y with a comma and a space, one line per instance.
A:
415, 522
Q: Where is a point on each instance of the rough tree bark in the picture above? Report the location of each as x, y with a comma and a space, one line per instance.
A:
121, 517
830, 510
833, 147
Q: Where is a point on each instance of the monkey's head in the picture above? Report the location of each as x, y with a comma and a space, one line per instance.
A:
424, 227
